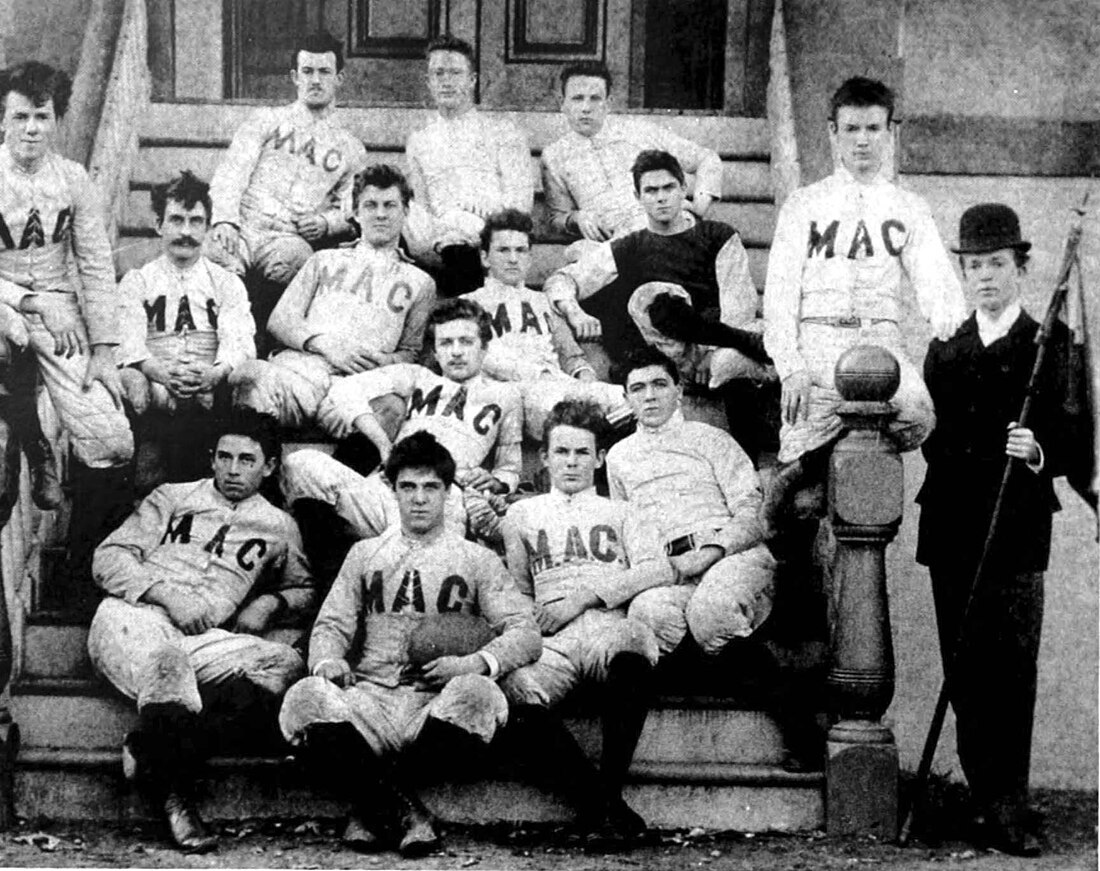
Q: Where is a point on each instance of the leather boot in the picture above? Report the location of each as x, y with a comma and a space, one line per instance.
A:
341, 763
185, 826
167, 748
539, 741
46, 490
625, 708
418, 834
101, 500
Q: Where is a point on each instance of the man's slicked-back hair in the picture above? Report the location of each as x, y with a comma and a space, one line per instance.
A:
653, 160
421, 450
861, 92
449, 42
579, 414
187, 189
459, 309
381, 175
506, 219
590, 69
39, 83
318, 43
261, 428
643, 358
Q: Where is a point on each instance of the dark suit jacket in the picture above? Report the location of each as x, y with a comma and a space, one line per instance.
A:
977, 392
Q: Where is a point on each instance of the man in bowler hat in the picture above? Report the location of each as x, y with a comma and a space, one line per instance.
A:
978, 380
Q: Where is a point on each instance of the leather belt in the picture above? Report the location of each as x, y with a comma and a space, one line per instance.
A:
684, 544
851, 322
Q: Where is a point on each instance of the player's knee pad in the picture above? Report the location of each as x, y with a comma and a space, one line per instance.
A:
718, 614
390, 411
310, 701
633, 639
521, 688
107, 443
286, 257
661, 609
474, 703
136, 390
273, 668
303, 474
168, 678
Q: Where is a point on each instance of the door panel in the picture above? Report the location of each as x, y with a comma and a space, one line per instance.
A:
384, 42
524, 44
259, 37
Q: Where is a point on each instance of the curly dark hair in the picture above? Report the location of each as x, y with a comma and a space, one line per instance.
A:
421, 450
186, 189
506, 219
579, 414
653, 160
862, 92
459, 309
643, 358
381, 175
261, 428
39, 83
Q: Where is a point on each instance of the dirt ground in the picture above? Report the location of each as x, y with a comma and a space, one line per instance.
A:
1070, 842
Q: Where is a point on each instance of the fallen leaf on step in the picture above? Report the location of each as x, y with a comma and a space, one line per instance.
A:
45, 843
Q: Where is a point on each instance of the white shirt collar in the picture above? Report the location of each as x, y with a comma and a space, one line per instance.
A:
845, 176
497, 286
991, 329
570, 497
670, 425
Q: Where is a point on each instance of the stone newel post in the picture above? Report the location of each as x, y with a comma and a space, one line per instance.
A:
865, 506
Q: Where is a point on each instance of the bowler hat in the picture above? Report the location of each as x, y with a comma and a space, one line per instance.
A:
989, 227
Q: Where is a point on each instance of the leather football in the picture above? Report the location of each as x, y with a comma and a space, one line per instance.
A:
448, 635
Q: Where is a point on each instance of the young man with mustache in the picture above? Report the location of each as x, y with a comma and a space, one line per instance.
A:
186, 325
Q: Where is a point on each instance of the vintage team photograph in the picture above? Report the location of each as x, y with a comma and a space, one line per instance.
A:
569, 434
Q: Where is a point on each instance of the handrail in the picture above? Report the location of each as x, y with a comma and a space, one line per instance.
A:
785, 165
129, 89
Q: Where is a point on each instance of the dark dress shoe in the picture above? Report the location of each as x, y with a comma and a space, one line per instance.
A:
1012, 840
418, 836
621, 828
360, 837
186, 826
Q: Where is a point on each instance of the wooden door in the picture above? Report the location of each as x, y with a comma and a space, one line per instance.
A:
524, 44
384, 43
694, 55
686, 55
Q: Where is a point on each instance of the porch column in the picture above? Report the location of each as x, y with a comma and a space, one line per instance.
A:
865, 505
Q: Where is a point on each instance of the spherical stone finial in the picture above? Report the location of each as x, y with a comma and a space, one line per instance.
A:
867, 373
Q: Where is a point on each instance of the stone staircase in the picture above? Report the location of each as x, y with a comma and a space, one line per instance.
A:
702, 761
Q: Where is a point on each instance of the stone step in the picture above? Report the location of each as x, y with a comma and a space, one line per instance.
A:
52, 650
88, 785
387, 128
72, 713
